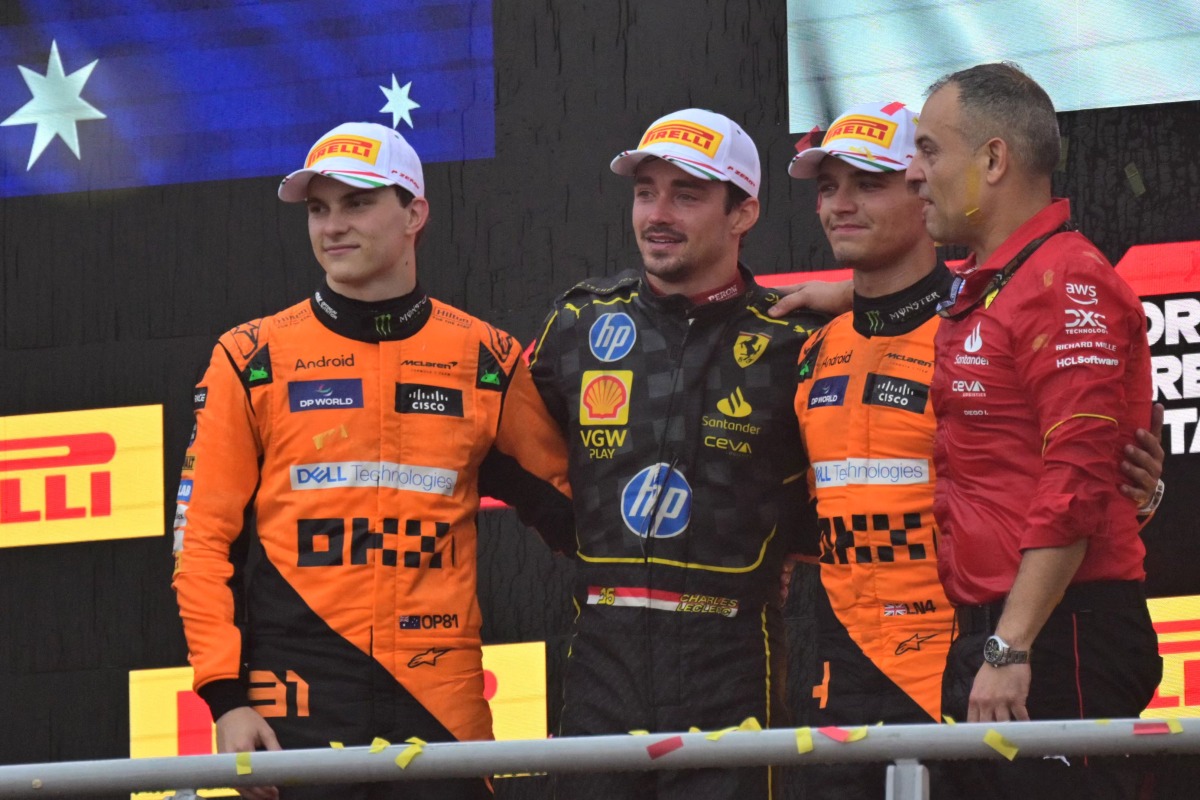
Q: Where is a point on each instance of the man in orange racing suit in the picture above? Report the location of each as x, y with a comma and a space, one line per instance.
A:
339, 453
884, 622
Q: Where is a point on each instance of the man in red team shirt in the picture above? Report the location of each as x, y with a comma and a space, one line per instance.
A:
1043, 371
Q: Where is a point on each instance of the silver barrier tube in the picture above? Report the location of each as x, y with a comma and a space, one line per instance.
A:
595, 754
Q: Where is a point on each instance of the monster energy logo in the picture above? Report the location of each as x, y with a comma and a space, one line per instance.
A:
383, 324
874, 321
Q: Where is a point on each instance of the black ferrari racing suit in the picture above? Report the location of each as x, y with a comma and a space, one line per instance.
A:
688, 479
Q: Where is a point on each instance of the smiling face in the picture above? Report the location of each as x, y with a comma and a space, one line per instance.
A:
689, 243
872, 219
364, 238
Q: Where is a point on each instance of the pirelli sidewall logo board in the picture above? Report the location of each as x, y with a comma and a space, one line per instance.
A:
81, 476
166, 718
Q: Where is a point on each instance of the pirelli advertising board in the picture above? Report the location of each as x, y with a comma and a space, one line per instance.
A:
81, 476
166, 718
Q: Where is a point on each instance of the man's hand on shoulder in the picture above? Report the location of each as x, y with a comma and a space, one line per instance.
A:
826, 297
243, 730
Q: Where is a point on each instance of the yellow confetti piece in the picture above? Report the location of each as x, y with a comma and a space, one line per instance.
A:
639, 733
949, 719
987, 301
694, 729
379, 744
1003, 746
749, 724
716, 735
1175, 726
1104, 722
857, 734
337, 745
804, 742
242, 762
414, 749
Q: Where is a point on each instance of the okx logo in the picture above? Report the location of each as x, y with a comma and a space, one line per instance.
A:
657, 502
612, 336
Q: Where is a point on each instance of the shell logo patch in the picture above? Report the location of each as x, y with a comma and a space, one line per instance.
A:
604, 397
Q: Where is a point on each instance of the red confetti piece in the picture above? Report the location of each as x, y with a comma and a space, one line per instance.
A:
807, 140
660, 749
1150, 728
837, 734
892, 108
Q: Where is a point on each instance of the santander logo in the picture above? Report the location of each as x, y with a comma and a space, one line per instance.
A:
974, 341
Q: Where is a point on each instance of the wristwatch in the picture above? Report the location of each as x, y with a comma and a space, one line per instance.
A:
997, 653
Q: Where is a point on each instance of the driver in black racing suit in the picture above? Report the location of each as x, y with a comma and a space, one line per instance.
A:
674, 389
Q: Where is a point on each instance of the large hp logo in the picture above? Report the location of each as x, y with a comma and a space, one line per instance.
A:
657, 502
612, 336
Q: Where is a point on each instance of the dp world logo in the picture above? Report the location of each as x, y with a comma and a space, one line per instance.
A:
657, 502
612, 336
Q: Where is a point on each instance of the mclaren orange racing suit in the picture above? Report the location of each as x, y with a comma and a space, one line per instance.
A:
867, 422
343, 445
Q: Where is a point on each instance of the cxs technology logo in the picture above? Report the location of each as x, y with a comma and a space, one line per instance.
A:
313, 395
81, 476
611, 336
657, 502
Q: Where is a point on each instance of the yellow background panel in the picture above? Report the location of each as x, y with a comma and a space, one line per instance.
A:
1177, 621
136, 475
518, 704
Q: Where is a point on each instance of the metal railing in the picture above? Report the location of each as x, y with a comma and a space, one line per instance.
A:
906, 745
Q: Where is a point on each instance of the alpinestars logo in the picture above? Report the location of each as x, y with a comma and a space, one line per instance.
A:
428, 658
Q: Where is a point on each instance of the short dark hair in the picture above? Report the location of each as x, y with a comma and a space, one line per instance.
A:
1000, 100
406, 197
734, 196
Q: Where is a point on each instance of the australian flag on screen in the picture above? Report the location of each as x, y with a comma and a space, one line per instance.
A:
105, 94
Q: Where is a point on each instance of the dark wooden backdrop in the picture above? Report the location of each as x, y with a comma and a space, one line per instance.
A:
114, 298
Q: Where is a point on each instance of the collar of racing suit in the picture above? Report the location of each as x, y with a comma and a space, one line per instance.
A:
386, 320
684, 306
905, 310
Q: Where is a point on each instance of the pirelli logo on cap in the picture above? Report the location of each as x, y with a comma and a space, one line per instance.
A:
870, 129
360, 148
688, 134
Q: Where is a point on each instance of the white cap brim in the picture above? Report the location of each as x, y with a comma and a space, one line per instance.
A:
808, 163
627, 163
294, 188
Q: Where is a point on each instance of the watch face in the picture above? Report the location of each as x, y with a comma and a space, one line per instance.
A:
992, 651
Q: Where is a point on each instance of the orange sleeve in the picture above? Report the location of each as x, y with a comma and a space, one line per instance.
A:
528, 465
219, 480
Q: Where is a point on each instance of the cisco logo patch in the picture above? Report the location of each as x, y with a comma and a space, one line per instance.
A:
418, 398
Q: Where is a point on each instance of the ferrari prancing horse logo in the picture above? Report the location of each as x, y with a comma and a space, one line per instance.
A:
749, 347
